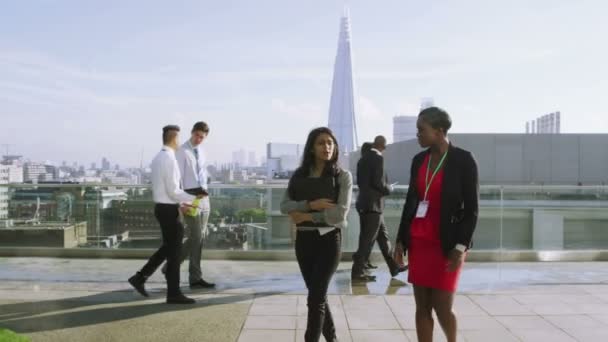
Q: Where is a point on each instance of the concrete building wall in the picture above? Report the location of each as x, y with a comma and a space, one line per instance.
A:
558, 159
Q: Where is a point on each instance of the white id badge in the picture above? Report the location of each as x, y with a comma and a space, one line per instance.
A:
423, 207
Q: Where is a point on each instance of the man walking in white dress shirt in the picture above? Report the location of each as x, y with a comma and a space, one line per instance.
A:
167, 198
192, 165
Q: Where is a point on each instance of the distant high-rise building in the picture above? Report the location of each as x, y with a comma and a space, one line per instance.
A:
4, 179
105, 164
227, 175
52, 173
546, 124
93, 166
342, 119
239, 158
34, 172
404, 128
282, 158
15, 173
12, 160
252, 159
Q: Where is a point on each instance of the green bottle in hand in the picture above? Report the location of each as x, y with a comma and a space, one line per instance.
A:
193, 211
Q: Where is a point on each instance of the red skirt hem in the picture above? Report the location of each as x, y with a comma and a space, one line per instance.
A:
428, 266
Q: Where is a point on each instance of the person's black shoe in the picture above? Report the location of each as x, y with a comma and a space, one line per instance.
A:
369, 266
364, 278
395, 271
201, 284
138, 281
180, 299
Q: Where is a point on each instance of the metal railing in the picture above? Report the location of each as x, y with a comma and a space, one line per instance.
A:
110, 219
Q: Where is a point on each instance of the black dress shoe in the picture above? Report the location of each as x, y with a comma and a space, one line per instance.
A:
138, 281
180, 299
363, 278
369, 266
395, 271
201, 284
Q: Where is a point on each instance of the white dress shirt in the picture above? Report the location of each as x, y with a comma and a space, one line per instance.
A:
166, 179
191, 161
193, 169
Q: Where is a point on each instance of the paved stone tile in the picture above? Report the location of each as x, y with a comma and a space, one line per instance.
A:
379, 335
267, 336
575, 322
276, 300
343, 336
273, 310
379, 320
438, 336
271, 322
502, 305
544, 335
498, 335
588, 335
478, 323
407, 322
555, 309
464, 306
369, 312
601, 318
524, 323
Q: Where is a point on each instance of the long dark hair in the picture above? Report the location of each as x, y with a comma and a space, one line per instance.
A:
332, 169
308, 158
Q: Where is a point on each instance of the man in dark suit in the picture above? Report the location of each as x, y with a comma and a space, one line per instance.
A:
373, 187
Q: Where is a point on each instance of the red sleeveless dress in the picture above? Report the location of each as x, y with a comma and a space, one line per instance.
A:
427, 264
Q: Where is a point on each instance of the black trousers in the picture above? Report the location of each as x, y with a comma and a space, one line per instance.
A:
372, 229
170, 250
318, 257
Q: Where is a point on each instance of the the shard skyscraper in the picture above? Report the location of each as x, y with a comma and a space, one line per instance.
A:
342, 103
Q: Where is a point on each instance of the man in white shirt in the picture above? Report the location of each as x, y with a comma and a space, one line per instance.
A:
167, 198
192, 165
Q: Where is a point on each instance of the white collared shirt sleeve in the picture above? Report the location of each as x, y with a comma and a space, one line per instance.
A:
461, 248
202, 175
181, 156
171, 179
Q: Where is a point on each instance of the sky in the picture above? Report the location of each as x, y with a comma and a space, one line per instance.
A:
80, 80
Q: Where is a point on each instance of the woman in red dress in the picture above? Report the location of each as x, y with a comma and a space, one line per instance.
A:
438, 221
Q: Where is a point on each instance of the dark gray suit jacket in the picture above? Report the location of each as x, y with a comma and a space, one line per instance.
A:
372, 182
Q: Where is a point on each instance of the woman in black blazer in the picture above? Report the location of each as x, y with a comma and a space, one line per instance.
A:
438, 221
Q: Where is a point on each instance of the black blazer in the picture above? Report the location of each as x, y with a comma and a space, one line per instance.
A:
372, 182
459, 200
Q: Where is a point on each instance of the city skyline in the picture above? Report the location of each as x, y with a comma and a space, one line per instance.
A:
75, 88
